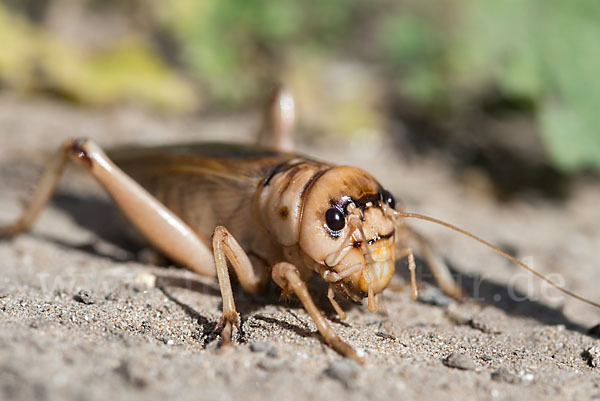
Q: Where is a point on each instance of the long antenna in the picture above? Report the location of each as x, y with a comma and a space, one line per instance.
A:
497, 250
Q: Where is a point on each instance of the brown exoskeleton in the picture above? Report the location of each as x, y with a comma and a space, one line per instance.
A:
271, 214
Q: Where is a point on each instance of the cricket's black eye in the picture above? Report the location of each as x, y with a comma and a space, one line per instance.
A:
388, 199
335, 219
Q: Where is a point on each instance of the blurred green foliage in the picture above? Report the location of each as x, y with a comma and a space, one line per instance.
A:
451, 54
542, 55
237, 47
546, 52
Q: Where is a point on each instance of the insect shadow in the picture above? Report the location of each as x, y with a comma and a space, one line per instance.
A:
487, 291
101, 217
248, 306
163, 283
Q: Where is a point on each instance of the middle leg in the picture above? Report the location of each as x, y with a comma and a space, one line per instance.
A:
279, 121
439, 268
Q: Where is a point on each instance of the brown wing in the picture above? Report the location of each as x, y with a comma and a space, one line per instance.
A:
205, 184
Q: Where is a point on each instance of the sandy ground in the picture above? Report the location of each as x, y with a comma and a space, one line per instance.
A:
81, 319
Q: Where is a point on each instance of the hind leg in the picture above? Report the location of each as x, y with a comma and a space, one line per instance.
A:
41, 194
155, 222
277, 131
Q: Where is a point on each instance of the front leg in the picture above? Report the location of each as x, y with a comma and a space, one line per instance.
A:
225, 248
288, 278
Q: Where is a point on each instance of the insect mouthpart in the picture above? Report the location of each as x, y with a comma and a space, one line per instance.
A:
379, 237
379, 265
373, 268
351, 293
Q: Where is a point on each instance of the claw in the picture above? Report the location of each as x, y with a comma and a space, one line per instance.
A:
227, 321
346, 350
285, 295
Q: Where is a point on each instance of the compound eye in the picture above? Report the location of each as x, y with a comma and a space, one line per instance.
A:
334, 219
388, 199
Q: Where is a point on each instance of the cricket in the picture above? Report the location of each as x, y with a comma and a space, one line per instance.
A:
262, 213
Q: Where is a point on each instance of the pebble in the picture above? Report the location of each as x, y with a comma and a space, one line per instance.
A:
504, 375
84, 297
488, 321
343, 370
112, 296
592, 356
144, 281
132, 373
385, 335
459, 361
527, 377
273, 365
434, 296
262, 346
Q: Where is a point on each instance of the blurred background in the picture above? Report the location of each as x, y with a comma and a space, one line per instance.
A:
507, 88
